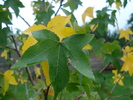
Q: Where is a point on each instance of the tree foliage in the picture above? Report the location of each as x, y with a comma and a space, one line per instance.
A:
55, 52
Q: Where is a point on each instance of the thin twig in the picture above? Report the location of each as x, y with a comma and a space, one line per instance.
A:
15, 45
59, 7
119, 96
24, 20
77, 98
104, 68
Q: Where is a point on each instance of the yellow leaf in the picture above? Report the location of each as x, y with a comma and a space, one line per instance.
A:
117, 78
11, 79
37, 71
21, 80
63, 32
128, 60
29, 42
45, 69
4, 54
34, 28
87, 12
8, 79
87, 47
118, 5
125, 33
5, 85
58, 21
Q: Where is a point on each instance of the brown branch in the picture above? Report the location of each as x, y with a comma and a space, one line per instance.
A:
119, 96
77, 98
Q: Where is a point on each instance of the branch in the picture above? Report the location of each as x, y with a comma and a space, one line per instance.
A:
127, 43
24, 20
59, 7
77, 98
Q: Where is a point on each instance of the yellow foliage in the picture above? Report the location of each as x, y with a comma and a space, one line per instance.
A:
4, 54
117, 78
34, 28
128, 60
88, 12
8, 75
118, 5
45, 69
125, 33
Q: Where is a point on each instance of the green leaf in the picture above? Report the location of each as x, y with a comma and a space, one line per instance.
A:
3, 36
44, 17
97, 45
74, 45
72, 87
50, 48
114, 58
4, 17
14, 4
73, 4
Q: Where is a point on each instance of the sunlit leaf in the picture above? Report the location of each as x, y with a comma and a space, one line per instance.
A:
125, 33
128, 60
88, 12
8, 75
117, 78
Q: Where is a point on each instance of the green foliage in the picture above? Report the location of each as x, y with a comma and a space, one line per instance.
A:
15, 5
